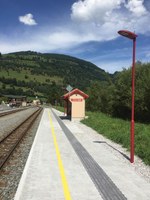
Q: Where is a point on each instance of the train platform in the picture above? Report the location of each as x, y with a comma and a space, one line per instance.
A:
70, 161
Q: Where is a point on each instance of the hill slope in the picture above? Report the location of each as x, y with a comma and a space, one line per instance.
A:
31, 73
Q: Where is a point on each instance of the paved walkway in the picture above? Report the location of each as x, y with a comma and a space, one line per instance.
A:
69, 161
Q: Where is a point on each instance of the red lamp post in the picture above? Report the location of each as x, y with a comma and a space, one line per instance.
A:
131, 36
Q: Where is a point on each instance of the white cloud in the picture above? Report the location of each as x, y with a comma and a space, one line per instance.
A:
113, 66
94, 10
42, 41
105, 17
67, 38
27, 19
92, 20
7, 47
136, 7
147, 55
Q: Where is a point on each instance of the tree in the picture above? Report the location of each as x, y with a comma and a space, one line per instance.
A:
3, 86
122, 95
100, 97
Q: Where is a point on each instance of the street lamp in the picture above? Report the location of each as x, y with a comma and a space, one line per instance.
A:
131, 36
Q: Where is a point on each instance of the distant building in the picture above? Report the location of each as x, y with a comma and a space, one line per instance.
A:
16, 101
36, 102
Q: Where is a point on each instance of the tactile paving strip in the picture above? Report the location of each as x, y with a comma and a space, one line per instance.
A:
107, 189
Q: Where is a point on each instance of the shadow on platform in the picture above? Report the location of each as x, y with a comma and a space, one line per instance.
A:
65, 117
124, 155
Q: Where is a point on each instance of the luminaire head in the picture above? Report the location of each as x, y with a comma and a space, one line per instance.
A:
127, 34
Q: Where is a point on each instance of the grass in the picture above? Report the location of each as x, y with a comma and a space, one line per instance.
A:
119, 131
61, 109
23, 73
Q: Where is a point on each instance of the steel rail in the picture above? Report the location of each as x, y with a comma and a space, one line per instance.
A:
8, 112
5, 152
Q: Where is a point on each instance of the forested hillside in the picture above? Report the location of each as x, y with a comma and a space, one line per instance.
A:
31, 73
46, 75
115, 98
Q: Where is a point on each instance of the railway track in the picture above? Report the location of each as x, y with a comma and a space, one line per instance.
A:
11, 112
9, 143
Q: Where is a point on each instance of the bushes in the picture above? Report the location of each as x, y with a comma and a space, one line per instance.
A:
115, 97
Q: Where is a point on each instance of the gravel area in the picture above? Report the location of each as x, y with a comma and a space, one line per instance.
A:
13, 172
4, 107
10, 122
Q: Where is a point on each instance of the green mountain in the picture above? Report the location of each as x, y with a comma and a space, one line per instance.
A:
31, 73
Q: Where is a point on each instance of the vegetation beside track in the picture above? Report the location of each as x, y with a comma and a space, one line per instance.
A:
60, 108
118, 130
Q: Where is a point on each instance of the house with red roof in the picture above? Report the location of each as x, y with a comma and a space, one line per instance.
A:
75, 104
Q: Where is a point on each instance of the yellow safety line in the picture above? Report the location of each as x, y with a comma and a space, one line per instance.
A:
60, 163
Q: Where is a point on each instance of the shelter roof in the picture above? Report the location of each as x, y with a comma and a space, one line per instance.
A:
75, 91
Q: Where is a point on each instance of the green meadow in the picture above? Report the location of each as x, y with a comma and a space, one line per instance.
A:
118, 130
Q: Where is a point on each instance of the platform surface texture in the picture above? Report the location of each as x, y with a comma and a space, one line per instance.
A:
70, 161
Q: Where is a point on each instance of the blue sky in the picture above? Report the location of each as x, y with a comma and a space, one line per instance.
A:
85, 29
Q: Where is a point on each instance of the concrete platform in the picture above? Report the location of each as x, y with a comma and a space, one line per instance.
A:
58, 170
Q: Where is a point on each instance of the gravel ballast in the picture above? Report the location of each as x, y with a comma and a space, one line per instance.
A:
13, 172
